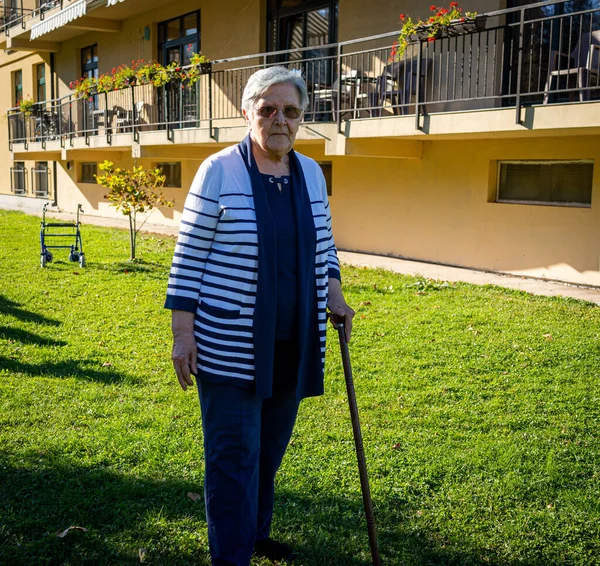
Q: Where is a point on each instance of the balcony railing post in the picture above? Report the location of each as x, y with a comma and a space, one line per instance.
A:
42, 129
134, 117
58, 112
418, 86
10, 143
210, 110
338, 94
71, 119
520, 65
107, 130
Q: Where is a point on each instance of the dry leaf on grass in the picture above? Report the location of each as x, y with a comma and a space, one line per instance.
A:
142, 554
63, 534
194, 496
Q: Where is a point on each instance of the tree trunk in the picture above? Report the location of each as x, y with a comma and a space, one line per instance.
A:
132, 234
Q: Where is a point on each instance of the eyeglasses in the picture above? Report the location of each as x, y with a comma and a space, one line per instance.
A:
290, 112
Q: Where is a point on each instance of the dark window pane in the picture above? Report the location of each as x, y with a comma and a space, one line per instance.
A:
88, 172
18, 92
188, 50
317, 32
172, 171
173, 29
190, 24
546, 183
41, 82
18, 178
40, 179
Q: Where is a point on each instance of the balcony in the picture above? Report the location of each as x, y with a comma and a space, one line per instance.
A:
56, 21
520, 73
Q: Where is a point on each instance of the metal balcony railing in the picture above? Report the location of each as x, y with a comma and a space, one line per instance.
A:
521, 56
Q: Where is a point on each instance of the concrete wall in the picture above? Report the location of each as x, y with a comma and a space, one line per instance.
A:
441, 209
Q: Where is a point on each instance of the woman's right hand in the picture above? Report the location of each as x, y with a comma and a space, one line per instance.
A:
184, 347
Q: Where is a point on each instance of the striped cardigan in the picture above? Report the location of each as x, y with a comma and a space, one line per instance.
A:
215, 264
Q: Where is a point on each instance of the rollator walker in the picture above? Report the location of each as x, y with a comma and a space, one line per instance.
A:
67, 238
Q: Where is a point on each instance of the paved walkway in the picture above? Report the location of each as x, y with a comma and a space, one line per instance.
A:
404, 266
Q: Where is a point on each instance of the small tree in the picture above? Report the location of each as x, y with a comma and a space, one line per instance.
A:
133, 191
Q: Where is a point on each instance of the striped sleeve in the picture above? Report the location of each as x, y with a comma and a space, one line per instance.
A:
196, 235
333, 263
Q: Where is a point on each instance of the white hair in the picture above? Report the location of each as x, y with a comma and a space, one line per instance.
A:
262, 80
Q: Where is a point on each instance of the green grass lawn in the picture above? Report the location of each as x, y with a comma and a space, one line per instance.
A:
480, 409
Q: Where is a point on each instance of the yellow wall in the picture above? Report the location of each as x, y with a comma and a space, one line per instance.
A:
437, 209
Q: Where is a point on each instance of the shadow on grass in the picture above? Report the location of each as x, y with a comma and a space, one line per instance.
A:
43, 494
48, 494
24, 337
82, 369
14, 309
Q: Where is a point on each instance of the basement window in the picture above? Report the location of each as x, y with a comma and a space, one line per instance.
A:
89, 172
172, 172
552, 183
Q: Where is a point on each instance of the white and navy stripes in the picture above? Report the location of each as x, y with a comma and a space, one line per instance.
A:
215, 264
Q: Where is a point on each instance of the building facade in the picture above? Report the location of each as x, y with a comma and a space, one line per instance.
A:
476, 147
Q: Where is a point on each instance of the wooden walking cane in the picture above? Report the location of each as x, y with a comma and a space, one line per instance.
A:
360, 452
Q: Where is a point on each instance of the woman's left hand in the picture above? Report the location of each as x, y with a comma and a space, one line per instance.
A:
339, 311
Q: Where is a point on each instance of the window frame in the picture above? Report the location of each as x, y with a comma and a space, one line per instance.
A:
170, 163
181, 40
18, 167
40, 82
82, 179
39, 173
87, 68
501, 162
17, 87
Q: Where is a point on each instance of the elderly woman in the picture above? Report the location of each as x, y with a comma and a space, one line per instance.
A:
254, 269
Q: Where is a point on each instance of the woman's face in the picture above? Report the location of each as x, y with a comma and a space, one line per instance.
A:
271, 122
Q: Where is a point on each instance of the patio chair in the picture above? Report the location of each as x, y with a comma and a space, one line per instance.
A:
398, 84
353, 95
582, 64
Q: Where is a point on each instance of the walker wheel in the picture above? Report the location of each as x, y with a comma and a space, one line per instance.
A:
49, 256
74, 257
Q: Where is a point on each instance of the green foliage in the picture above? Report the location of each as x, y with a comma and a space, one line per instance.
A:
141, 72
133, 191
480, 413
26, 105
430, 29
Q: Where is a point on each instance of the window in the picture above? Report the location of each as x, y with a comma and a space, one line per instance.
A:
179, 39
40, 179
326, 168
172, 170
88, 172
18, 178
89, 62
17, 87
559, 183
40, 77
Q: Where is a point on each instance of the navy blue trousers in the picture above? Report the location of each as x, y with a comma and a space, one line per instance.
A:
245, 438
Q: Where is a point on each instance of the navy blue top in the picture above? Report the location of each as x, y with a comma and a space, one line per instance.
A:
281, 204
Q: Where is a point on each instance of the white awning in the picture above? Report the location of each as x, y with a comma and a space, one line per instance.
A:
113, 2
58, 20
